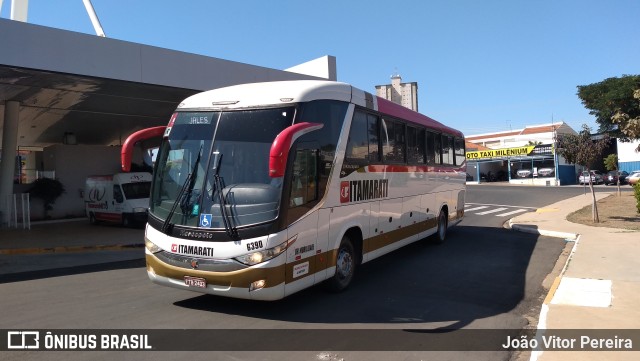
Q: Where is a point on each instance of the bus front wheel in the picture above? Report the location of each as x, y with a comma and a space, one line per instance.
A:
345, 266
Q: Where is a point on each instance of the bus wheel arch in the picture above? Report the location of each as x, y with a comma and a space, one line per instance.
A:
348, 257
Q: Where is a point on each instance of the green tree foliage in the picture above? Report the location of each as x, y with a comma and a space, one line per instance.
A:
48, 190
581, 149
615, 102
611, 164
636, 192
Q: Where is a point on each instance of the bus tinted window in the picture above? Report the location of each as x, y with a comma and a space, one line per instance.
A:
415, 145
372, 132
393, 141
447, 149
362, 145
460, 155
357, 143
433, 148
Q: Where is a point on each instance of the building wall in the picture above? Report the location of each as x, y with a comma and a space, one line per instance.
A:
405, 94
72, 164
628, 158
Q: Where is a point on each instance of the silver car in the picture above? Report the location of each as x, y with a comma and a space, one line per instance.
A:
524, 173
596, 177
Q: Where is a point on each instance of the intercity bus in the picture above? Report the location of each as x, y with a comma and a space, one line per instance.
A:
261, 190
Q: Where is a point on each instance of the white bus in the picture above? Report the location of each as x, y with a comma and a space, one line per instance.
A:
262, 190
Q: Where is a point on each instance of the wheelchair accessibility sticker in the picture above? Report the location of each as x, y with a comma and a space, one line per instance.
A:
205, 220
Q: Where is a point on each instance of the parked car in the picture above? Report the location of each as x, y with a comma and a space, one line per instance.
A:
596, 177
612, 177
524, 173
634, 177
545, 172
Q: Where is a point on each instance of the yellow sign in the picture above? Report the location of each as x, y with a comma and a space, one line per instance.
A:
497, 153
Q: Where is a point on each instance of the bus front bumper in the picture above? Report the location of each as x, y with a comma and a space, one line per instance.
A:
236, 284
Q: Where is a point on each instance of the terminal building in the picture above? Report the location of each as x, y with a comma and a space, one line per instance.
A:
69, 100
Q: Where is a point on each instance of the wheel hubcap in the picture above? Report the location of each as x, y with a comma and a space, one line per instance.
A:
344, 264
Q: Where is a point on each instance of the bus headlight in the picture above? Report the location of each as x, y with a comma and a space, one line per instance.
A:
254, 258
151, 247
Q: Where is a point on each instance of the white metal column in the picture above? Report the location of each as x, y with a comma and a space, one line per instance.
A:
8, 162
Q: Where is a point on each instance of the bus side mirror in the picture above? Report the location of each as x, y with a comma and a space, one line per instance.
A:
127, 148
282, 144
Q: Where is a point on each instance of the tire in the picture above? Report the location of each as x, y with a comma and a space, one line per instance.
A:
92, 218
441, 234
345, 266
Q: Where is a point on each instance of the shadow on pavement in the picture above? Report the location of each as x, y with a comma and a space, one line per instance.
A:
480, 272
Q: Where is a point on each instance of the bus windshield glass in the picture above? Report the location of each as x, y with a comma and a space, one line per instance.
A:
207, 153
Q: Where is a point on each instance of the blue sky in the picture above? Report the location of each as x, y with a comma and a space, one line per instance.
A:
481, 66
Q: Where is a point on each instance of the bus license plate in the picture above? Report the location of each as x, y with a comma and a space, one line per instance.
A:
195, 282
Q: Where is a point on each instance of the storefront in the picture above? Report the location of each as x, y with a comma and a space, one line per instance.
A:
533, 164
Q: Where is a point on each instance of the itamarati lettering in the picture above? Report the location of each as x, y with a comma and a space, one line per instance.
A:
363, 190
195, 250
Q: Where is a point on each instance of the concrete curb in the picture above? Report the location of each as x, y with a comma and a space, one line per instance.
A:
534, 230
541, 327
69, 249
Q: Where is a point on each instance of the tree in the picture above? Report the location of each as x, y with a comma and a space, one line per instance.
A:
48, 190
615, 102
581, 149
611, 164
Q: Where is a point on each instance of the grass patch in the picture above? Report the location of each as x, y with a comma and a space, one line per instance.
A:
614, 212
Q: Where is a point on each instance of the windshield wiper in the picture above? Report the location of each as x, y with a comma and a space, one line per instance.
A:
227, 220
187, 187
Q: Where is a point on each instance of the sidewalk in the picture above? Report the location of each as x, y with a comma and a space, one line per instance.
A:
599, 287
56, 244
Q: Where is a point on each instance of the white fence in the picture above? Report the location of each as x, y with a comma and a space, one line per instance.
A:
18, 210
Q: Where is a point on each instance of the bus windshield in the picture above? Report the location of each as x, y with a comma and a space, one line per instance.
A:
216, 157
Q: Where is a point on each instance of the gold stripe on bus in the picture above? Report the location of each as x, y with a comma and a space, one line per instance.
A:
385, 239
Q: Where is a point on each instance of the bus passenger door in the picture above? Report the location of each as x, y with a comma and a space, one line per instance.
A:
303, 220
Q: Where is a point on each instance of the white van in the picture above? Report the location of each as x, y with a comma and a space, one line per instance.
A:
122, 198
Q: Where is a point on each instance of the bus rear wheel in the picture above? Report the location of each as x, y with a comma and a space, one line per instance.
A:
92, 218
441, 234
345, 266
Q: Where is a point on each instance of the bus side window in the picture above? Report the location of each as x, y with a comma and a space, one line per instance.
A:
447, 150
393, 141
433, 148
304, 182
460, 152
415, 145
